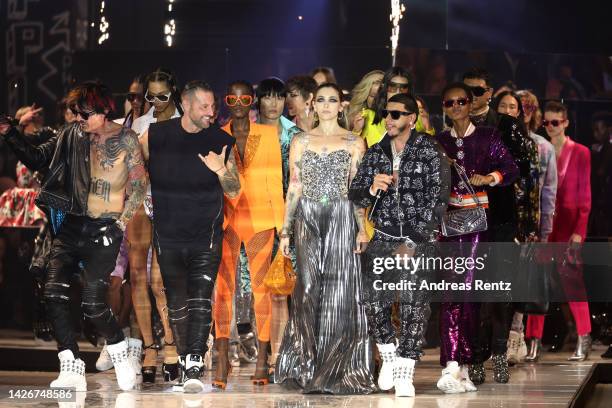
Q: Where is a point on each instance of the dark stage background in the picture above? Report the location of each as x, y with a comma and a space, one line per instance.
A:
49, 44
558, 48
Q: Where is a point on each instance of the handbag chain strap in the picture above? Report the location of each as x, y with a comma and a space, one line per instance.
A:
463, 176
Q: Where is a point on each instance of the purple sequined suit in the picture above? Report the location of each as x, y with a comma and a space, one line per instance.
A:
482, 152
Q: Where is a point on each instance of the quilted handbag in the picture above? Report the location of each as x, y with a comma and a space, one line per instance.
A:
466, 220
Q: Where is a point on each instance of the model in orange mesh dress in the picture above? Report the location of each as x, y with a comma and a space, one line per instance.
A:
250, 219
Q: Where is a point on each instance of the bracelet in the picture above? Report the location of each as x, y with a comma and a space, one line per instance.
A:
121, 225
284, 235
220, 168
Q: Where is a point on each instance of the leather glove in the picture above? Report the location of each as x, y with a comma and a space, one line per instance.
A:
108, 235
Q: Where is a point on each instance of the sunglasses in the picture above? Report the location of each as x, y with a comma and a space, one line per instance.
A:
160, 98
478, 90
84, 114
529, 108
397, 87
395, 114
449, 103
233, 100
132, 96
553, 122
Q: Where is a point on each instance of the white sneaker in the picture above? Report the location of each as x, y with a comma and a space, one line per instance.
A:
104, 362
72, 372
135, 356
450, 382
124, 369
388, 357
193, 366
403, 374
465, 379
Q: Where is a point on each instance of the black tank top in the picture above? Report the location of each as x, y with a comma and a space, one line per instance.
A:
187, 196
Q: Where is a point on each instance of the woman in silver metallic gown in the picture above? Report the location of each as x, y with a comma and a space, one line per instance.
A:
325, 348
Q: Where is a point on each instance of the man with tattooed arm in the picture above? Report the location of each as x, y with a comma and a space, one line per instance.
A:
188, 222
92, 165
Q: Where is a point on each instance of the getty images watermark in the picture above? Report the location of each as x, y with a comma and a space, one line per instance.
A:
412, 265
493, 272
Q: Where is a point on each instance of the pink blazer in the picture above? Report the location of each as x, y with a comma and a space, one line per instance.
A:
573, 203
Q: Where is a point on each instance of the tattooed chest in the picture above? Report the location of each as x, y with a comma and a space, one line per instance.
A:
108, 152
108, 168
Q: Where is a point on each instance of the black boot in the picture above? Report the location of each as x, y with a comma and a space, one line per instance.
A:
500, 368
477, 373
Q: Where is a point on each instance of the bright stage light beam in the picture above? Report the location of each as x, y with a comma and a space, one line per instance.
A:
170, 25
104, 26
397, 12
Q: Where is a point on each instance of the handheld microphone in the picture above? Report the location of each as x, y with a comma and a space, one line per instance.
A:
379, 195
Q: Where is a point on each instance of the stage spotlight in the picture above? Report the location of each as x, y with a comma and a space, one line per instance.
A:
104, 26
170, 25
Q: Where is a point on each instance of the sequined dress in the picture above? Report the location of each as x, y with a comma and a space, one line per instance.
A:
325, 347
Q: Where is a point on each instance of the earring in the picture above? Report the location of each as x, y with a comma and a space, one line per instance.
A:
339, 115
307, 110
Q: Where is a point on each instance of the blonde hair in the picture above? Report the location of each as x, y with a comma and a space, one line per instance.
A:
536, 117
22, 111
360, 93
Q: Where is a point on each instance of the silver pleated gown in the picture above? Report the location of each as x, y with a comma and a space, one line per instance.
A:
325, 347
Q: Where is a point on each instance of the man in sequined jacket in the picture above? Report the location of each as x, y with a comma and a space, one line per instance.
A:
405, 180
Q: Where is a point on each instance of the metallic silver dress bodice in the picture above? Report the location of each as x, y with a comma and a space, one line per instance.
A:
325, 175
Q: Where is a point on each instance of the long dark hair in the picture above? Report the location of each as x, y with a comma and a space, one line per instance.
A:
381, 98
521, 116
165, 75
140, 80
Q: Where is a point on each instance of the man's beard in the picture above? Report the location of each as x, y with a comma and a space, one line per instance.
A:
201, 123
400, 131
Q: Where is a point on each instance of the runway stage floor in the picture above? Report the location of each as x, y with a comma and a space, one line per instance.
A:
550, 383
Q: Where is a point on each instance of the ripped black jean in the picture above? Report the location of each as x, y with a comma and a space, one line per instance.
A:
189, 276
73, 246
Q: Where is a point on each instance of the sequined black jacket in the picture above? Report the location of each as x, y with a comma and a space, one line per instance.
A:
415, 208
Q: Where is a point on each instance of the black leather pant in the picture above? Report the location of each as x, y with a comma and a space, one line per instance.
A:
189, 278
73, 246
412, 327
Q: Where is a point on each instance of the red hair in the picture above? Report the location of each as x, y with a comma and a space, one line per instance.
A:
91, 96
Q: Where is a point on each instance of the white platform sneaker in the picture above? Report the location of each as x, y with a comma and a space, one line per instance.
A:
451, 382
72, 372
388, 357
465, 379
193, 369
403, 373
135, 356
124, 369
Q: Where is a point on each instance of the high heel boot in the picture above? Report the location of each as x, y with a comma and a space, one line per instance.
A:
535, 347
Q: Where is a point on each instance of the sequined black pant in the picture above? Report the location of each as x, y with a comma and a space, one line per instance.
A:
74, 245
189, 278
411, 331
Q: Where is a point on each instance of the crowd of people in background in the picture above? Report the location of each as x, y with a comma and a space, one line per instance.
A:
194, 201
